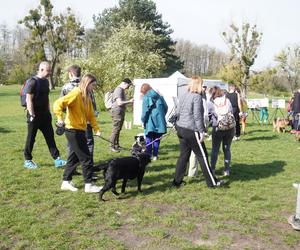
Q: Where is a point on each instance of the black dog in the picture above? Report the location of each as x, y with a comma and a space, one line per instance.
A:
123, 168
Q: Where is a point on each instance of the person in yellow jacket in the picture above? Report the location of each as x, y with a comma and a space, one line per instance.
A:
79, 111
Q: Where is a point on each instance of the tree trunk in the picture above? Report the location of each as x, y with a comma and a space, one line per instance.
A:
51, 80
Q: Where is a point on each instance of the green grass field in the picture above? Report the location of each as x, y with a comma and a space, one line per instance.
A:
250, 212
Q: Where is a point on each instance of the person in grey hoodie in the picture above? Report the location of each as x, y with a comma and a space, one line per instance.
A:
190, 131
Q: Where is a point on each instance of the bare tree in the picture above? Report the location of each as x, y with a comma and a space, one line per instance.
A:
289, 63
243, 44
200, 59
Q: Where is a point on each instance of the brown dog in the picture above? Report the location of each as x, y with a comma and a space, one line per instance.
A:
297, 136
279, 124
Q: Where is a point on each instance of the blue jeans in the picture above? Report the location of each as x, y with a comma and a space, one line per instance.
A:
150, 137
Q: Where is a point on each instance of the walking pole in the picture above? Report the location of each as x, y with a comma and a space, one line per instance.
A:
294, 220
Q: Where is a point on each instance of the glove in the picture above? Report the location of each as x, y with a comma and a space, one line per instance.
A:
60, 127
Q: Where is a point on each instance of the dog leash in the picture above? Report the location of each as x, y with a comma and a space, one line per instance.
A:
104, 139
163, 136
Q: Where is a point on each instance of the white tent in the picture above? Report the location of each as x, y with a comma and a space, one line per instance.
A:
170, 88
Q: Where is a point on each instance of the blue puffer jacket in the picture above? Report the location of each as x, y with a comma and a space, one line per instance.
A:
153, 113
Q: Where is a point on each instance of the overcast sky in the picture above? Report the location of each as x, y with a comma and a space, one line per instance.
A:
200, 21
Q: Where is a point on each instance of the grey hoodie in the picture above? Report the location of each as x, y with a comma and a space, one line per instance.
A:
190, 111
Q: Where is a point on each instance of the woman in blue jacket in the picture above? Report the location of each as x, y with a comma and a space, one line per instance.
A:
154, 110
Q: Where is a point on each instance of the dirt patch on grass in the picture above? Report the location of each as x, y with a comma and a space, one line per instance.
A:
203, 233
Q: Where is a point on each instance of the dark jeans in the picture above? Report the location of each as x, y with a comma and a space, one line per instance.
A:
189, 140
43, 123
154, 146
79, 154
118, 120
224, 137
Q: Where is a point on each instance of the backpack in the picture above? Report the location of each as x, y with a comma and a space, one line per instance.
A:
108, 99
24, 89
225, 118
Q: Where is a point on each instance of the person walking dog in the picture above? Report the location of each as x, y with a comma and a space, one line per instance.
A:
80, 111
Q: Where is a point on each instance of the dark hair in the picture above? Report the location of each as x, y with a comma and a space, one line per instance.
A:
75, 69
216, 92
127, 80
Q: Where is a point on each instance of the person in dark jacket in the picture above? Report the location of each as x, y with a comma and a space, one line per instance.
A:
190, 130
296, 111
235, 101
154, 110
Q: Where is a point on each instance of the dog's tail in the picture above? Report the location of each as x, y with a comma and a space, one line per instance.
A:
100, 166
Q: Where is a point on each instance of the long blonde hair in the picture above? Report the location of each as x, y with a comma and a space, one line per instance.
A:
86, 80
195, 85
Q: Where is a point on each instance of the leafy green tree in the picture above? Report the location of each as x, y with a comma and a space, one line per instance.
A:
243, 44
231, 73
3, 72
144, 14
289, 64
129, 52
267, 82
52, 35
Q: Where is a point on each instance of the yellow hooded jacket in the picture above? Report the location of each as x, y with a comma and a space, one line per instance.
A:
78, 114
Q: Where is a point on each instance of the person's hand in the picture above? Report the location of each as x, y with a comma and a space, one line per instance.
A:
99, 133
60, 123
31, 118
131, 100
201, 137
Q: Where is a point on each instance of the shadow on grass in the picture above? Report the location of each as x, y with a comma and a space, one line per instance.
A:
4, 130
263, 138
10, 94
244, 172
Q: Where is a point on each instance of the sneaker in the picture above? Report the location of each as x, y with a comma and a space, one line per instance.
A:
68, 185
112, 149
226, 173
154, 158
296, 185
234, 138
92, 188
59, 163
294, 222
30, 164
220, 183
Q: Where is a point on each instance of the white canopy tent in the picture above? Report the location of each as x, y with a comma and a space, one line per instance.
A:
171, 88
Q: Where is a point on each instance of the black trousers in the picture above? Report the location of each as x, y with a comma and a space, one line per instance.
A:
41, 122
189, 140
237, 124
79, 153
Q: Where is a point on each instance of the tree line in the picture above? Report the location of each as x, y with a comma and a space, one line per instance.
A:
132, 40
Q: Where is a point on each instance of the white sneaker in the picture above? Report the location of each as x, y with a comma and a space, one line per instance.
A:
154, 158
68, 185
92, 188
296, 185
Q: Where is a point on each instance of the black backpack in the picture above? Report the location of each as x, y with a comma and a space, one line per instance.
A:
24, 90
